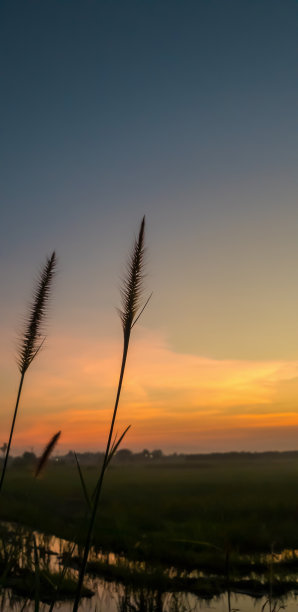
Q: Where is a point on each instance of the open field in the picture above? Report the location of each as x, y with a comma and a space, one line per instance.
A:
238, 503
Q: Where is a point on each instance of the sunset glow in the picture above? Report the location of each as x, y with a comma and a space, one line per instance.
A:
187, 116
174, 401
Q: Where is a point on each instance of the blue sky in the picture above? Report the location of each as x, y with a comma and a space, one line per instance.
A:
183, 110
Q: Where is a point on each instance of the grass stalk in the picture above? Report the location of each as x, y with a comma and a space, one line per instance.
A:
131, 293
12, 430
30, 343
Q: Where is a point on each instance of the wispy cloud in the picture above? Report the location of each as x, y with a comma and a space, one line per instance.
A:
171, 399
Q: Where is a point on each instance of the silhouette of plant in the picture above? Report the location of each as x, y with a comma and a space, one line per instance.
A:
131, 294
30, 342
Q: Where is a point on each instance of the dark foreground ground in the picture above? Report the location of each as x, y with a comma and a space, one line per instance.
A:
164, 512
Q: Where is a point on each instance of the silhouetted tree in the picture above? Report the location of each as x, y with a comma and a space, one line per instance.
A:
157, 454
124, 454
3, 448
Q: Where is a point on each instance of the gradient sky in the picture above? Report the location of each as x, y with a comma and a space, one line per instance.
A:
186, 111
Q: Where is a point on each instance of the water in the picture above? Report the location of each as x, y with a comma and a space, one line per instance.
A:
111, 596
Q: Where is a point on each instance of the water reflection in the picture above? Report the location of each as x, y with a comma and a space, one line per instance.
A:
115, 599
119, 585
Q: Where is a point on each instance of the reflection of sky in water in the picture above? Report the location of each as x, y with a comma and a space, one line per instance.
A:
113, 597
109, 598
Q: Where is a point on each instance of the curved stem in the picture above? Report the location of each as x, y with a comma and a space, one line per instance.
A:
100, 480
11, 430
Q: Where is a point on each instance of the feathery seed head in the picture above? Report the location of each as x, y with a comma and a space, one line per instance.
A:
30, 343
47, 452
132, 287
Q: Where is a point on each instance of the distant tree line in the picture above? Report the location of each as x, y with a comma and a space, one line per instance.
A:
155, 457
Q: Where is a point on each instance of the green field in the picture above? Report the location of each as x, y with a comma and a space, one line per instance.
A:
163, 512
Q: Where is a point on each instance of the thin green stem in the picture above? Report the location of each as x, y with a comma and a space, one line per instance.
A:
11, 430
101, 477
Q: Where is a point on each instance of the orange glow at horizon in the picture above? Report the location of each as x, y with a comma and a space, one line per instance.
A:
172, 400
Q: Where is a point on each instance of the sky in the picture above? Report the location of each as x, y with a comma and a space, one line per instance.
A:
185, 111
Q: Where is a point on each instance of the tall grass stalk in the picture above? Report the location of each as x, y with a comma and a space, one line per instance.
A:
131, 294
30, 343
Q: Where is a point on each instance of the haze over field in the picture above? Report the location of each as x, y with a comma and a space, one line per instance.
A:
185, 112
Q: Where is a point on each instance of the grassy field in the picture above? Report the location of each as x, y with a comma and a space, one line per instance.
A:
163, 512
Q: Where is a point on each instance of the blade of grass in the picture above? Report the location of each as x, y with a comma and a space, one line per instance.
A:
113, 450
83, 482
116, 445
113, 445
37, 577
142, 309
